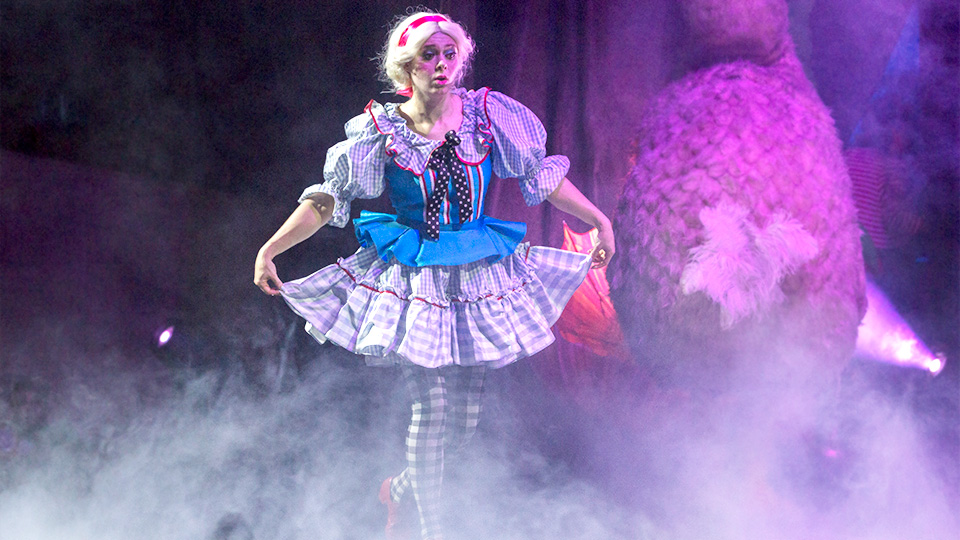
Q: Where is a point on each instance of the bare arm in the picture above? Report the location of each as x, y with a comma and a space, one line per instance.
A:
302, 224
569, 199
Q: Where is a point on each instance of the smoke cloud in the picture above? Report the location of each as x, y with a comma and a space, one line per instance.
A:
171, 452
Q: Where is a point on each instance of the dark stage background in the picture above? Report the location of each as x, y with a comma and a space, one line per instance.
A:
150, 147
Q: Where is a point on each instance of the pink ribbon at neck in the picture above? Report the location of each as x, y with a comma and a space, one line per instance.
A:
413, 26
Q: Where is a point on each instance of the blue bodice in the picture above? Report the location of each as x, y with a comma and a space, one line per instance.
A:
401, 236
499, 137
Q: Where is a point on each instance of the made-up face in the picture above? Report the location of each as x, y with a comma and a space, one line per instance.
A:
437, 65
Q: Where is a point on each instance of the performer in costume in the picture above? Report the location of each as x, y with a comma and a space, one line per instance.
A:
439, 288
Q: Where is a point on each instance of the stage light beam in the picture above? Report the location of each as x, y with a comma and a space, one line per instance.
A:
884, 336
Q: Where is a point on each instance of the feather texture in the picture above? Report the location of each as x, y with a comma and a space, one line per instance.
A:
756, 140
740, 266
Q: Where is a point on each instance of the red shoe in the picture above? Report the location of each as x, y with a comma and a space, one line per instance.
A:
398, 520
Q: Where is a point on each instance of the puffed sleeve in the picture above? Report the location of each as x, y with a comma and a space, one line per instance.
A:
354, 167
518, 149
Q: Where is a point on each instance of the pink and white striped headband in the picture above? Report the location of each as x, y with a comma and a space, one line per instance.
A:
413, 26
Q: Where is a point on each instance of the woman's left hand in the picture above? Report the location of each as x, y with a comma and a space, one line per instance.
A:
568, 198
605, 247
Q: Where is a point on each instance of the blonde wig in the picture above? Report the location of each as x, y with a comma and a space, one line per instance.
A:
407, 37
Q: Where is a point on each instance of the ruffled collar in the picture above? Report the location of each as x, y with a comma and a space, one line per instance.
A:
411, 151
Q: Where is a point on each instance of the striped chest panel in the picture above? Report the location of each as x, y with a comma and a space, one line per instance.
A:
409, 192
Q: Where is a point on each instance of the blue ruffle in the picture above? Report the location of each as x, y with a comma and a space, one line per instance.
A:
486, 238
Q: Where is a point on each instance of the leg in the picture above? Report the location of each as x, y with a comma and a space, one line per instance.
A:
424, 472
465, 384
460, 415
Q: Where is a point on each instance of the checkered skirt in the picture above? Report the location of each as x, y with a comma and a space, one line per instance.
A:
478, 313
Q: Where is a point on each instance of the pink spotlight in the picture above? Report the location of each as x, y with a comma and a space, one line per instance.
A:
885, 337
164, 336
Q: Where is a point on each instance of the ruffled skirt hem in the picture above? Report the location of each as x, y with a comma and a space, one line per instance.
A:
432, 316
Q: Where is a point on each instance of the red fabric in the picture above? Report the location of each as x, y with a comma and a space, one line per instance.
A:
589, 318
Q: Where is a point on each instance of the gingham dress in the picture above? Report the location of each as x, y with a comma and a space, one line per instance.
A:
478, 295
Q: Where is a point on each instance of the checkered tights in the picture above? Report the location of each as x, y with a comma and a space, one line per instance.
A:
446, 411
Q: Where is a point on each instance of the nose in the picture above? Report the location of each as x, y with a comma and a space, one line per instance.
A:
441, 65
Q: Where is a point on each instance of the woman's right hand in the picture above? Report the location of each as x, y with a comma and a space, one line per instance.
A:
265, 275
309, 216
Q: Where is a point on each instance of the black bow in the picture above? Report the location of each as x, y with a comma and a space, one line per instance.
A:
446, 164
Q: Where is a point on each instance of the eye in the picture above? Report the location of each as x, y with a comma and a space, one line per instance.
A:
428, 55
450, 55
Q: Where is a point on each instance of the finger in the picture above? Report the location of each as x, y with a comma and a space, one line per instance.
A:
599, 256
267, 287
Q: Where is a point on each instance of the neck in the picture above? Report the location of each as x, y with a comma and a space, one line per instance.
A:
428, 106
